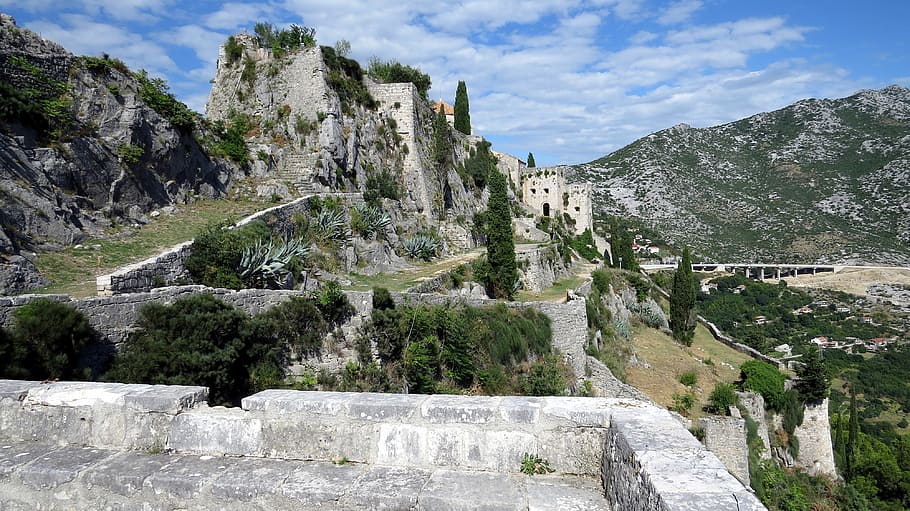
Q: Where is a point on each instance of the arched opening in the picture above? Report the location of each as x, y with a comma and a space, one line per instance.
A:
546, 209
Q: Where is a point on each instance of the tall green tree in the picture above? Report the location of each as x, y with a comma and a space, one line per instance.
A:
852, 435
813, 380
682, 301
503, 271
442, 140
462, 110
621, 249
531, 162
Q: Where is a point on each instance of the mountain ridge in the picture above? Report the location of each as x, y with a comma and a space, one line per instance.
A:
820, 181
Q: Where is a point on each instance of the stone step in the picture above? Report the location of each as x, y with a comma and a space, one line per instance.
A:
34, 475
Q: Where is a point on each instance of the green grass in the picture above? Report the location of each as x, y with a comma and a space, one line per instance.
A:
556, 293
73, 271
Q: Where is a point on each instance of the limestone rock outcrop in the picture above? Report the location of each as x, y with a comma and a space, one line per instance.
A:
84, 152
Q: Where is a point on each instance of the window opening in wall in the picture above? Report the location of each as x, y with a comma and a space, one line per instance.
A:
546, 209
546, 190
533, 190
577, 208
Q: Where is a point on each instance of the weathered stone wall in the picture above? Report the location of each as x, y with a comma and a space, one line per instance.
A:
816, 455
726, 438
754, 404
544, 190
539, 267
511, 166
474, 446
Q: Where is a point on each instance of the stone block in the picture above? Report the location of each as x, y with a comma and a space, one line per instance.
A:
247, 479
565, 494
582, 411
295, 401
318, 484
166, 398
318, 438
690, 501
448, 490
124, 474
186, 475
698, 471
216, 431
384, 407
16, 389
460, 409
520, 410
13, 456
385, 488
402, 445
74, 394
60, 466
573, 450
648, 427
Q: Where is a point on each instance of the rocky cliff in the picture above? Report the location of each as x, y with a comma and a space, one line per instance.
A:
85, 144
818, 181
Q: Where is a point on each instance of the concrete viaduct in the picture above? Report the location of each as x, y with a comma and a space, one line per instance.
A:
761, 271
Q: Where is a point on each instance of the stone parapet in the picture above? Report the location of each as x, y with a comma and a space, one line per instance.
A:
389, 451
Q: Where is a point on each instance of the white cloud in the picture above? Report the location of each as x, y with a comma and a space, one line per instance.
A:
679, 12
234, 16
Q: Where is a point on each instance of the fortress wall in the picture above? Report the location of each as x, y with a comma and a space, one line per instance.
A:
87, 435
579, 207
726, 438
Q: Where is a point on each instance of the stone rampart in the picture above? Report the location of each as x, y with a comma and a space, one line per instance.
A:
754, 404
80, 445
816, 454
726, 438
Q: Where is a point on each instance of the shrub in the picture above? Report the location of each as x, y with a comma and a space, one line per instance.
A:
330, 225
395, 72
154, 92
381, 185
46, 341
421, 362
585, 246
198, 340
689, 378
382, 299
218, 251
130, 154
764, 379
546, 377
334, 304
683, 403
297, 323
232, 50
269, 264
722, 398
601, 281
232, 138
531, 464
370, 221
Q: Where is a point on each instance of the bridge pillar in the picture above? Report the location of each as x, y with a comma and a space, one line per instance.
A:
813, 270
777, 273
761, 273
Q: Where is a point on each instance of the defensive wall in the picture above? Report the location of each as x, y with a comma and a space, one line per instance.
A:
76, 445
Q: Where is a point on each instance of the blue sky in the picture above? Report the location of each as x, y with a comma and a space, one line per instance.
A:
568, 80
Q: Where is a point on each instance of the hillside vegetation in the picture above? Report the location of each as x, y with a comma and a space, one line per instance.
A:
818, 181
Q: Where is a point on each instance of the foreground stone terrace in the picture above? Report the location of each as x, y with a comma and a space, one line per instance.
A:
76, 445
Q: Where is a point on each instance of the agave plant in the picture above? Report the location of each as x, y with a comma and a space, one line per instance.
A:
266, 264
422, 246
330, 224
373, 221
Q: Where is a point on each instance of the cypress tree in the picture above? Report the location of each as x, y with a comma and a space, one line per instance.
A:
852, 435
621, 249
682, 301
813, 381
462, 110
531, 162
442, 140
503, 271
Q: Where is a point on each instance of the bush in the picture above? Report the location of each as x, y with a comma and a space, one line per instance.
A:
382, 299
601, 281
421, 362
297, 323
130, 154
232, 138
232, 50
547, 377
395, 72
198, 340
334, 304
154, 92
689, 378
381, 185
46, 341
683, 403
585, 246
218, 251
722, 398
764, 379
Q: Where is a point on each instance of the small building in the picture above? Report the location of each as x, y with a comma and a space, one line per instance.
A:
447, 109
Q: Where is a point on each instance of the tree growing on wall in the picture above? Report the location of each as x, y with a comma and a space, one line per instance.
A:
462, 110
502, 272
682, 301
813, 380
442, 140
531, 162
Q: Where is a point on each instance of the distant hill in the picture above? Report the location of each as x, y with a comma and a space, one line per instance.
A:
818, 181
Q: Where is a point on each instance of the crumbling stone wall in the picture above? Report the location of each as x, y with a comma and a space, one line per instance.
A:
726, 438
816, 454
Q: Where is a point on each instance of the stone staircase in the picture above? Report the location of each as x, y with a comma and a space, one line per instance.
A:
299, 171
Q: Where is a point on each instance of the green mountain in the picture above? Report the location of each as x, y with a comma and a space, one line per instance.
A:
822, 180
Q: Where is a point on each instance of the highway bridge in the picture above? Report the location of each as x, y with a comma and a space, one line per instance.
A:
761, 271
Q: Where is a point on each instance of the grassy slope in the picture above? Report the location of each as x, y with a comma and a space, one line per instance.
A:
73, 271
668, 359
